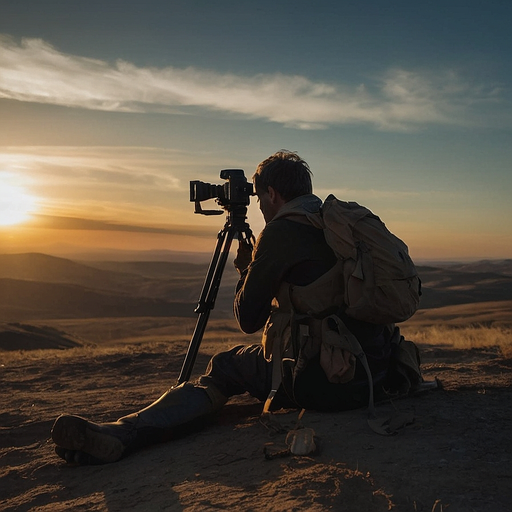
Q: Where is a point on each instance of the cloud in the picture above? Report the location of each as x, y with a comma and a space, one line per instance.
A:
75, 223
135, 168
35, 71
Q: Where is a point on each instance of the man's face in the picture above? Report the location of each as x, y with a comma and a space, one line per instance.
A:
269, 203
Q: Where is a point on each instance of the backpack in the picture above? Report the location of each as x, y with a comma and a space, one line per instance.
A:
374, 280
379, 279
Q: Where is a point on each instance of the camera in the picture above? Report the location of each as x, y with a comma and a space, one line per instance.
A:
235, 193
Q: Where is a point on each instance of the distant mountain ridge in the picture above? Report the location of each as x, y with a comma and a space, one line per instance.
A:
136, 255
39, 286
173, 281
35, 285
53, 269
502, 266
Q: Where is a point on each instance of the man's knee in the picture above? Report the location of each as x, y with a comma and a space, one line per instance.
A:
240, 356
237, 370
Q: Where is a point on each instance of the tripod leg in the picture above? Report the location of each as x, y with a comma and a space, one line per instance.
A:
207, 299
212, 269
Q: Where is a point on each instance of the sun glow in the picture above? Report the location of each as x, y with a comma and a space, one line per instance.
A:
16, 204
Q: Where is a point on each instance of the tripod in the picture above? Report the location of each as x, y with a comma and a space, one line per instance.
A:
235, 226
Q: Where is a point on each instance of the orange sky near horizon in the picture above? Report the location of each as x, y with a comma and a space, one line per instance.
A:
21, 238
65, 200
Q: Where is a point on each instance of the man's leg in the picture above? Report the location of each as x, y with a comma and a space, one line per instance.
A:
239, 370
179, 410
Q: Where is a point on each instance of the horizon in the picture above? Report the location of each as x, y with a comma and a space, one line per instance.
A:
108, 111
197, 257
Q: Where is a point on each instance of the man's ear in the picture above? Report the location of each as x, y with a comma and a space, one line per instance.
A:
276, 199
274, 195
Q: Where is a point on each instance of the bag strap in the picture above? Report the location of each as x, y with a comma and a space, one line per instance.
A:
277, 376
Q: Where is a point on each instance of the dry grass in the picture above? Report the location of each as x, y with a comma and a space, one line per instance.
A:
139, 334
464, 338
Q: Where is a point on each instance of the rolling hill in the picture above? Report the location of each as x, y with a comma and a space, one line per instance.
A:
37, 288
22, 300
462, 285
18, 336
169, 281
34, 285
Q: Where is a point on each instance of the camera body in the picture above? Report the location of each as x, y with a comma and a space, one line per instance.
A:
234, 193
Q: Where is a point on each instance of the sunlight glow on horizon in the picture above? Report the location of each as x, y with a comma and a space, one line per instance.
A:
79, 194
16, 205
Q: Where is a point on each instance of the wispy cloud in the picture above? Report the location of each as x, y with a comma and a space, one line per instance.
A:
75, 223
35, 71
126, 168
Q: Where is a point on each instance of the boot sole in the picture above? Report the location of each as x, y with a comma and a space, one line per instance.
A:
76, 433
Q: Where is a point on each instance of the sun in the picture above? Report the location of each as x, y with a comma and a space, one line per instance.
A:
16, 204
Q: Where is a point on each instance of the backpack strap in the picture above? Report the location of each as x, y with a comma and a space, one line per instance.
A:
277, 376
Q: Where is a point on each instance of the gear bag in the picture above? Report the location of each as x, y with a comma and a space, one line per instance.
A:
378, 281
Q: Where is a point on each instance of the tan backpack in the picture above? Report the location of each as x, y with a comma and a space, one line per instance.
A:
374, 280
380, 282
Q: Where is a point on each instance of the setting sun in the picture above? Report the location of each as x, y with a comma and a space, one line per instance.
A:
16, 205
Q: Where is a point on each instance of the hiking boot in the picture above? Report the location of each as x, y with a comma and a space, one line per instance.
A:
178, 411
79, 440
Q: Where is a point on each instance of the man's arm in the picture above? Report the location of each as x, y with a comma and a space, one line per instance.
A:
285, 251
259, 283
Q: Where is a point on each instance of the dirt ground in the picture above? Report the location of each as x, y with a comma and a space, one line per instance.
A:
455, 456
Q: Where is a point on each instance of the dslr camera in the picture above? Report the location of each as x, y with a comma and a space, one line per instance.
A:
234, 194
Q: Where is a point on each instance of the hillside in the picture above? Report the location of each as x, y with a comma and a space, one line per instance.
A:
30, 300
496, 266
170, 281
18, 336
445, 286
442, 458
39, 282
454, 456
80, 299
42, 290
128, 282
51, 269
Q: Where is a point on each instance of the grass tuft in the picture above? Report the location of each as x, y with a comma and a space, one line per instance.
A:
464, 338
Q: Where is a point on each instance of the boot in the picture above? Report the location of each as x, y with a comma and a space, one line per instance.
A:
178, 411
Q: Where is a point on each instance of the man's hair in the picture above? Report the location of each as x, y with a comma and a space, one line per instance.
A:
286, 173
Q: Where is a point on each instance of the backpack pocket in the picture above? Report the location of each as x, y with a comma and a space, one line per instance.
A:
337, 351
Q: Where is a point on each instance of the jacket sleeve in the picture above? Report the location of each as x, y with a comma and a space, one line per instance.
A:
258, 285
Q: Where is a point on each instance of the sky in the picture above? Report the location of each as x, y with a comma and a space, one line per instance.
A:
108, 109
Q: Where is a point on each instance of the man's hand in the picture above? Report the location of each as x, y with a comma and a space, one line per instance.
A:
243, 255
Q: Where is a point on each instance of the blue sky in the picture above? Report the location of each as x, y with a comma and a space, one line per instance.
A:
110, 108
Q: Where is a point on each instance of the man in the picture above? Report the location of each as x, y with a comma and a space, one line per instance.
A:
290, 253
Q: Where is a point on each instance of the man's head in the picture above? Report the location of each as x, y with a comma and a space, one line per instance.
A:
280, 178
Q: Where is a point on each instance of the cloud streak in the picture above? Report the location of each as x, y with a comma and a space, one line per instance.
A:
139, 185
35, 71
75, 223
